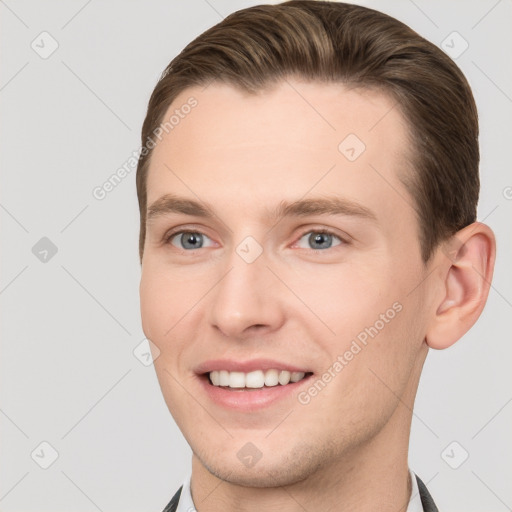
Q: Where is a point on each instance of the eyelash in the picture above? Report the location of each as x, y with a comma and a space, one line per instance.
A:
323, 231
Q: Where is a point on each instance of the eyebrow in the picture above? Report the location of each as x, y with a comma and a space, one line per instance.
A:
170, 203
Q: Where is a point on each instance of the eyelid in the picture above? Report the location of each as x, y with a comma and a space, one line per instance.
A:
184, 228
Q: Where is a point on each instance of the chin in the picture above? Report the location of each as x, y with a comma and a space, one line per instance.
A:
262, 477
280, 470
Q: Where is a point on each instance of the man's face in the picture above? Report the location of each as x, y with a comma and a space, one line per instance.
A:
306, 254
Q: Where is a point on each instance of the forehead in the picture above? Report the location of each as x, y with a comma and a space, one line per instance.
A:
284, 141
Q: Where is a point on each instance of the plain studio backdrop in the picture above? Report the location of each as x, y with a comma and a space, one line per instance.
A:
84, 426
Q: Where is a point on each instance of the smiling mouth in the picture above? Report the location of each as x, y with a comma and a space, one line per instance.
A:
255, 380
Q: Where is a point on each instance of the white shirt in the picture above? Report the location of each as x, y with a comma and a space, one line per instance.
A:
187, 505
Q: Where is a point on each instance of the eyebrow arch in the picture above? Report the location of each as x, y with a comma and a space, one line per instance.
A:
323, 206
171, 203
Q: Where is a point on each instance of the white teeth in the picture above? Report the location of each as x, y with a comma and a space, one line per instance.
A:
296, 376
271, 378
284, 377
223, 378
236, 380
255, 379
215, 378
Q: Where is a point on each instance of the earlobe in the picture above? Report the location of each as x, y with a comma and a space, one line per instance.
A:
468, 259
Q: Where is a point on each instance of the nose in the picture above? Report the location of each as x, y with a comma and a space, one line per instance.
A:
247, 300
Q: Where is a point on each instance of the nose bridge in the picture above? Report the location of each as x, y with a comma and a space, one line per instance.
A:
246, 295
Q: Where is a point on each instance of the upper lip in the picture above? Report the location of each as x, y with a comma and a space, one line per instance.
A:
247, 366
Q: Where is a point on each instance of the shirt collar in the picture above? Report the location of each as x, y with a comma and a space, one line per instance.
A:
187, 505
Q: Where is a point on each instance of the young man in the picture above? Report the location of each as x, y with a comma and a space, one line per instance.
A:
307, 187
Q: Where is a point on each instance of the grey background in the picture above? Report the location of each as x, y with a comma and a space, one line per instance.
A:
70, 324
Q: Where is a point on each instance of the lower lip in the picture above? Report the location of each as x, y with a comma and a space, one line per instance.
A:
249, 399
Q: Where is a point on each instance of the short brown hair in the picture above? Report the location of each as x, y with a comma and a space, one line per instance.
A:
256, 47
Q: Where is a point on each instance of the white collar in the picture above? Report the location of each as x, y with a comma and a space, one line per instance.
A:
187, 505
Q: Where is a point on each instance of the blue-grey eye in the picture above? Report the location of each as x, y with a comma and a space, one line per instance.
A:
318, 240
190, 240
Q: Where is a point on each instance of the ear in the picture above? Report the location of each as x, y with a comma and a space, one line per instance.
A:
468, 258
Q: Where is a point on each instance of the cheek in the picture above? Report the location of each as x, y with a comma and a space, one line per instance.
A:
370, 317
168, 300
347, 297
156, 303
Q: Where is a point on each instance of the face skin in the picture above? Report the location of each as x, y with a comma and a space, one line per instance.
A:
242, 156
